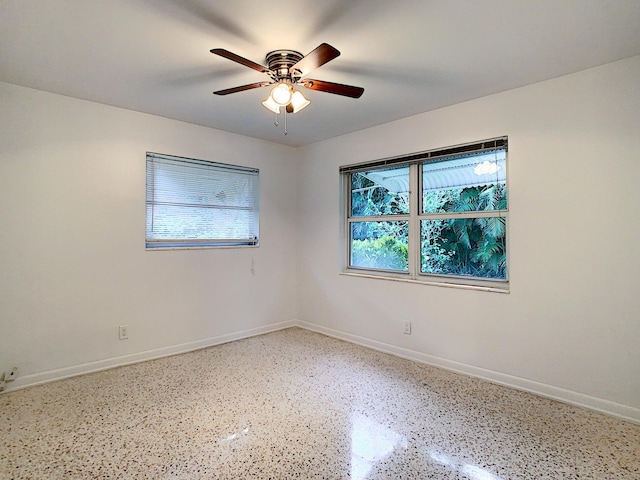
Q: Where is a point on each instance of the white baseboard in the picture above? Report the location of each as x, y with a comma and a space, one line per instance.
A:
91, 367
625, 412
567, 396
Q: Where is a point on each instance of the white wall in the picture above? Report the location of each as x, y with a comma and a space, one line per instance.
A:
72, 231
570, 327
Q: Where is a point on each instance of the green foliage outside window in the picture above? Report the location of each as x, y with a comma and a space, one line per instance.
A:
466, 246
384, 252
378, 244
371, 199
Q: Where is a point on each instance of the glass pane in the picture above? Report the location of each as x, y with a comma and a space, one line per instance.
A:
465, 184
380, 245
469, 246
380, 192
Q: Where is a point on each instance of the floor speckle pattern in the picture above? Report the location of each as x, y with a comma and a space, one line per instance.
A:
295, 404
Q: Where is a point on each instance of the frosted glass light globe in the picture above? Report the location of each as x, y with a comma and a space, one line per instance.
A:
281, 94
271, 105
298, 102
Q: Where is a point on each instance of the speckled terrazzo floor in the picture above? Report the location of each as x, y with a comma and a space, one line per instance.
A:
296, 404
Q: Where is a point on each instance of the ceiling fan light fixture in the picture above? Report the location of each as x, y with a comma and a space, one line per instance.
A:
270, 104
298, 101
281, 94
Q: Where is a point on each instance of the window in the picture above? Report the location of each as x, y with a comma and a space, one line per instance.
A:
434, 217
196, 203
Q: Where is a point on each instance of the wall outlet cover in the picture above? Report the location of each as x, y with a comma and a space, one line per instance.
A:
407, 327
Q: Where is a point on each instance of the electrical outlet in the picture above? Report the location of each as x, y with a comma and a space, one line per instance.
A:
11, 375
123, 332
407, 327
8, 376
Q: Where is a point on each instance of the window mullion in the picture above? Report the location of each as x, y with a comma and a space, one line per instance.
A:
381, 218
471, 214
414, 221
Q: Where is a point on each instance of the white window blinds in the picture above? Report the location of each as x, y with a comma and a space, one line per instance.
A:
199, 203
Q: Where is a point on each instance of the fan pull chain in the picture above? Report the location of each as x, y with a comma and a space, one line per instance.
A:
275, 120
285, 122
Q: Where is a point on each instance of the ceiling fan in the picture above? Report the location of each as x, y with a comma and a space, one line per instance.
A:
287, 68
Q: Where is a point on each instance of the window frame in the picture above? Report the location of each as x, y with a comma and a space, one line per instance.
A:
188, 243
416, 215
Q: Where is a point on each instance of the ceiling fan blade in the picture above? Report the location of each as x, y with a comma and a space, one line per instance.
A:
241, 60
322, 54
330, 87
242, 88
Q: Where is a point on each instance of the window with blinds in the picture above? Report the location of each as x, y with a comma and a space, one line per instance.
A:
196, 203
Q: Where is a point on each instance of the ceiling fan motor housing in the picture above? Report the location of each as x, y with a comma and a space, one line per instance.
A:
280, 61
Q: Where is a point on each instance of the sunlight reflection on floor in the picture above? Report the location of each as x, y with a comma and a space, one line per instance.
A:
370, 443
471, 471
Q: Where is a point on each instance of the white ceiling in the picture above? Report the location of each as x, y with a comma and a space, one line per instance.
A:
411, 56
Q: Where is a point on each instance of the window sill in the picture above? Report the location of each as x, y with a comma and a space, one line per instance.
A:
202, 247
463, 286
